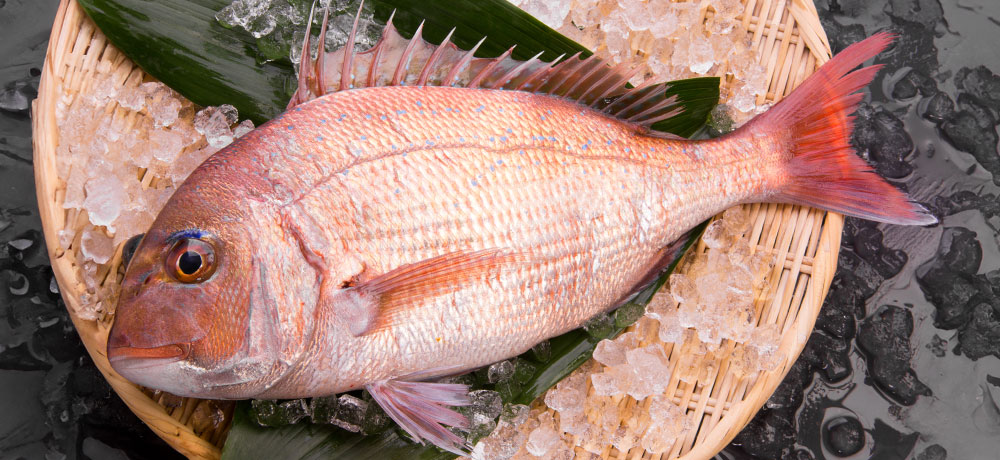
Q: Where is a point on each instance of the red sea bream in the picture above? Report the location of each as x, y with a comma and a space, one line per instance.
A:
379, 237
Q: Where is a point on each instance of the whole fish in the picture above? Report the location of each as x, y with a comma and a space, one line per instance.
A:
379, 237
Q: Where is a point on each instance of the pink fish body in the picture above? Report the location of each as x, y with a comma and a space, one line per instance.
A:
375, 237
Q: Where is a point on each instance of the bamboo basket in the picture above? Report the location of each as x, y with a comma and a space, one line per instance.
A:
790, 43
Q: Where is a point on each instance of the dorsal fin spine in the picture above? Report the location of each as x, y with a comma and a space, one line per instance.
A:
347, 68
537, 75
321, 53
455, 69
617, 83
573, 66
584, 77
478, 79
432, 61
299, 96
648, 92
656, 107
588, 81
503, 80
608, 73
552, 83
404, 60
625, 97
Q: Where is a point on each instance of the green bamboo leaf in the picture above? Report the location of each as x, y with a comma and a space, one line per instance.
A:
180, 43
248, 440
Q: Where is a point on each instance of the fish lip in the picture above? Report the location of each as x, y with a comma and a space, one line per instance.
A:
134, 358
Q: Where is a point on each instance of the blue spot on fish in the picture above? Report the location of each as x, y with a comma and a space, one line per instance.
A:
364, 138
400, 112
609, 142
480, 108
319, 138
420, 104
381, 117
429, 142
322, 120
461, 139
290, 127
397, 191
499, 162
474, 183
368, 116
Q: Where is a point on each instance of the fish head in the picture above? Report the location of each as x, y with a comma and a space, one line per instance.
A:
184, 315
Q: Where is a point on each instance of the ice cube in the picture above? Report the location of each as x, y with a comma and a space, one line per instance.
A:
613, 381
501, 371
131, 98
273, 413
350, 413
486, 402
609, 353
502, 444
104, 200
542, 351
244, 127
624, 438
96, 246
568, 402
550, 13
701, 57
167, 144
213, 122
666, 19
543, 439
650, 371
515, 414
682, 288
717, 236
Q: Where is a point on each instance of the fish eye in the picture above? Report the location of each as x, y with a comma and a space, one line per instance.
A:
191, 260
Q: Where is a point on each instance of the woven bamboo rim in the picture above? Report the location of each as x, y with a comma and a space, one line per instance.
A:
790, 44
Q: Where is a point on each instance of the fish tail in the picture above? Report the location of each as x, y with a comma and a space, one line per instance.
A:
823, 169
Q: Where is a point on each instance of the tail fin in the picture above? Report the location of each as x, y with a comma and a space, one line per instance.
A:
824, 170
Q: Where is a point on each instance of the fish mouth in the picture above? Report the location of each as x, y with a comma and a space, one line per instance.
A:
135, 358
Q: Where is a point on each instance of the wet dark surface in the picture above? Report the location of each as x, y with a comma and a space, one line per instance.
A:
904, 360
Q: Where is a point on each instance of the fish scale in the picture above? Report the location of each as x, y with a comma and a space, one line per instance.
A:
531, 202
378, 237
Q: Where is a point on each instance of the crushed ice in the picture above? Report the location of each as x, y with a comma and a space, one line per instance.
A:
124, 146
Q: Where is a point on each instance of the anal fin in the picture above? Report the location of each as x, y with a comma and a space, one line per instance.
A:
421, 409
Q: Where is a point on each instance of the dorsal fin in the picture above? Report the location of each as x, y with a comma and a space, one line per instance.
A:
395, 60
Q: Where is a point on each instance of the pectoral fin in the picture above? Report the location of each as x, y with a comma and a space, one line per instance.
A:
371, 305
421, 409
